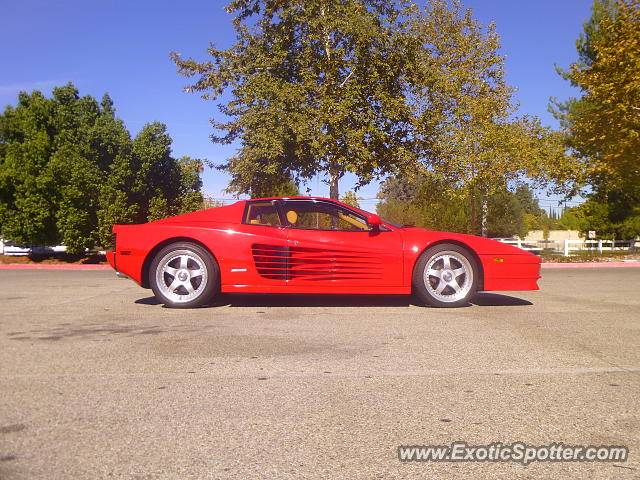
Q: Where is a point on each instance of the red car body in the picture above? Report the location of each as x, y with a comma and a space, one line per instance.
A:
256, 258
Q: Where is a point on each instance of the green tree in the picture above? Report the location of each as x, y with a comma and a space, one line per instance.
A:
400, 212
263, 186
527, 200
611, 216
423, 201
69, 170
572, 219
350, 198
25, 145
478, 146
371, 87
602, 126
156, 173
314, 86
146, 183
429, 203
534, 216
52, 160
506, 215
190, 197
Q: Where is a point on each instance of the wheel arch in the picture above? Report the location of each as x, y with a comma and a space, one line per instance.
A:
475, 256
146, 265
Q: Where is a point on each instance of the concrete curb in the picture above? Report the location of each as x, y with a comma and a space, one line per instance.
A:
592, 265
53, 266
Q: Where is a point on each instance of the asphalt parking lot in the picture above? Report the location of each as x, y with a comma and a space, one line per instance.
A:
97, 380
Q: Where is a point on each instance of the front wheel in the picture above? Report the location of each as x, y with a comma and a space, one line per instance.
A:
184, 275
446, 275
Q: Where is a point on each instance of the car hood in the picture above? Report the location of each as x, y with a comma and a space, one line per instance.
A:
481, 245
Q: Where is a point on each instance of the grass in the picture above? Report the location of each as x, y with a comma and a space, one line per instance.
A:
589, 256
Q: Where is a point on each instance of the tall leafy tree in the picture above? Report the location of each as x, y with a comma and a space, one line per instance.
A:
26, 206
478, 144
313, 86
370, 87
602, 127
190, 197
69, 170
53, 164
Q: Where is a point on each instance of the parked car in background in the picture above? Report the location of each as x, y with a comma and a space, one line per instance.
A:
13, 249
8, 247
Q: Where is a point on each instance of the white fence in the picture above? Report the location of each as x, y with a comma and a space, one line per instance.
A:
568, 246
529, 246
597, 245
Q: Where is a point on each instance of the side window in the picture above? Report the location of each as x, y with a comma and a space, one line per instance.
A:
262, 213
312, 215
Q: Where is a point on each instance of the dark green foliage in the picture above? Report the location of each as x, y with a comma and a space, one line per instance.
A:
529, 203
273, 186
506, 215
427, 202
69, 171
610, 215
423, 202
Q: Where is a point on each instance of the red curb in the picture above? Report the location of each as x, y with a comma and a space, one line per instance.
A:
592, 265
53, 266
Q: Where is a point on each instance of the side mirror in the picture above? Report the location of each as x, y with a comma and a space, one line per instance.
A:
374, 222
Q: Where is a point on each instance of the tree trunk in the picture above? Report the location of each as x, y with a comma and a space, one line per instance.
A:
334, 193
334, 176
485, 212
472, 214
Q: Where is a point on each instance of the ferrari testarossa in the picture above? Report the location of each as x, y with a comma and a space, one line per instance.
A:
311, 245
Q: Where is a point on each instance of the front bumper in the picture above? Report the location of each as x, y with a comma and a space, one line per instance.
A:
511, 272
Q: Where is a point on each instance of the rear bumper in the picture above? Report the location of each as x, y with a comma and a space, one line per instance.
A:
111, 258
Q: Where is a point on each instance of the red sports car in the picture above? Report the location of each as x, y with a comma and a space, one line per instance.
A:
311, 245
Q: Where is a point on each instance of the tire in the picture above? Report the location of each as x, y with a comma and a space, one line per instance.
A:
446, 276
184, 275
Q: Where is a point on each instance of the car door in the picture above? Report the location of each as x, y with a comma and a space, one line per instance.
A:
331, 246
262, 248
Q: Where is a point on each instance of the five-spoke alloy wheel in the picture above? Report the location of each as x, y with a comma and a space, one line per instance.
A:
184, 275
446, 275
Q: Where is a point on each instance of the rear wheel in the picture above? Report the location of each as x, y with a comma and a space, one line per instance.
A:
184, 275
446, 275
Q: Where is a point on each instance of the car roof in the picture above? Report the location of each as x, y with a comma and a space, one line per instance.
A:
293, 198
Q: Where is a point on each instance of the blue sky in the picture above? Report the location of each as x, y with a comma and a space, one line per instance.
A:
122, 47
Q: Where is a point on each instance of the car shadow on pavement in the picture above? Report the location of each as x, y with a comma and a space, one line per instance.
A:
307, 300
485, 299
300, 300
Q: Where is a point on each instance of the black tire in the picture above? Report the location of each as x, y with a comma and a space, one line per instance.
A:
184, 275
447, 287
